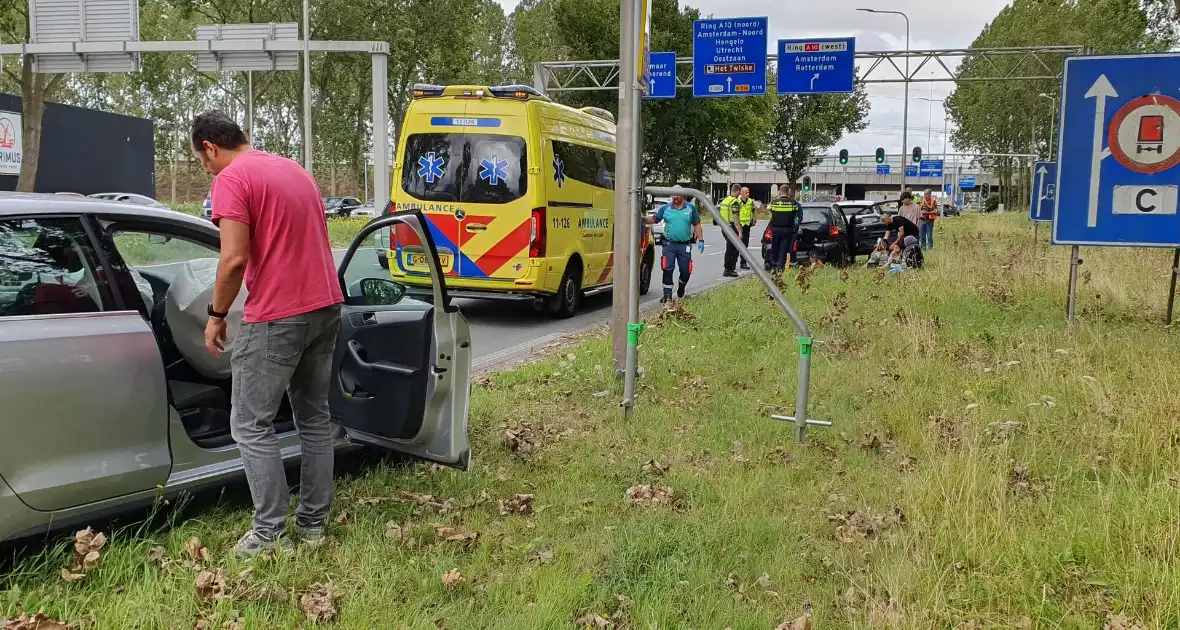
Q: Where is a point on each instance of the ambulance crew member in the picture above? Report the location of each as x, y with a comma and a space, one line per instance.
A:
785, 214
682, 227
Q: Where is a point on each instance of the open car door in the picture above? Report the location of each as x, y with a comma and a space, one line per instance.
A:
401, 374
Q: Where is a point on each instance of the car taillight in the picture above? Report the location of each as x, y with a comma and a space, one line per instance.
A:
833, 231
537, 234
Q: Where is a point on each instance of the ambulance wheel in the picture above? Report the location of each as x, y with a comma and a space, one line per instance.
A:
645, 269
383, 261
569, 294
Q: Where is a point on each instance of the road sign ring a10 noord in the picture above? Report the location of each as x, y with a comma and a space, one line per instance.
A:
1123, 107
729, 57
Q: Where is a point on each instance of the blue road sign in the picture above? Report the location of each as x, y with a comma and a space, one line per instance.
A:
882, 169
930, 168
911, 170
816, 66
729, 57
1117, 173
1044, 191
946, 189
661, 82
967, 182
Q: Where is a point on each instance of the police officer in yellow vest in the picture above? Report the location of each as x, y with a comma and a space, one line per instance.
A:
785, 215
738, 210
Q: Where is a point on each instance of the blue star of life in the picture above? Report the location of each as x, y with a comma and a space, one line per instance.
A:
558, 170
430, 167
494, 170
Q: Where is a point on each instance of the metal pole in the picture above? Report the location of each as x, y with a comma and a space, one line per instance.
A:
307, 88
800, 419
634, 202
621, 287
844, 183
365, 168
1074, 263
250, 106
1036, 229
905, 115
1052, 132
1172, 285
380, 130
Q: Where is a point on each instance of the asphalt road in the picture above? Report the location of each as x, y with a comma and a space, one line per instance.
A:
500, 326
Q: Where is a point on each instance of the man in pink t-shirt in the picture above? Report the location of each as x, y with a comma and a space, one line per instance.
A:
273, 236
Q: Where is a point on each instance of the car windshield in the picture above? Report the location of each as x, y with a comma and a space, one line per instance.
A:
333, 201
814, 214
473, 168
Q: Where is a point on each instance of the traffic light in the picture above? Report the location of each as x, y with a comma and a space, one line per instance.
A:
880, 155
917, 154
806, 183
843, 156
986, 190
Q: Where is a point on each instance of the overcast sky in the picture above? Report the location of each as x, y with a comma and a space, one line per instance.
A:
933, 25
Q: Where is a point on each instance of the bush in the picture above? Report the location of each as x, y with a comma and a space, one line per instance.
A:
992, 203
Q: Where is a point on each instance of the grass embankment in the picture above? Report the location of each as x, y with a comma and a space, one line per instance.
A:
987, 469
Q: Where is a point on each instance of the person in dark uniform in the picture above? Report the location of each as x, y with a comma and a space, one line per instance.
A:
785, 214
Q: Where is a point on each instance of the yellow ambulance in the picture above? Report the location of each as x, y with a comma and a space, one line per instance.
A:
518, 193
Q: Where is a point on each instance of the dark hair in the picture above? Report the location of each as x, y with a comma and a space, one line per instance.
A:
217, 129
735, 185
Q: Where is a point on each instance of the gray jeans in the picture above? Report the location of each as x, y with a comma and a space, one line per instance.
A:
292, 355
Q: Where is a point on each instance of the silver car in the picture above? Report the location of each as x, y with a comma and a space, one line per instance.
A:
104, 411
139, 200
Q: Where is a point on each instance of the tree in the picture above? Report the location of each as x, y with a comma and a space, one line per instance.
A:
806, 126
1011, 116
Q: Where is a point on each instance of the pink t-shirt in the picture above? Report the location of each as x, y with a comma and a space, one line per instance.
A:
291, 270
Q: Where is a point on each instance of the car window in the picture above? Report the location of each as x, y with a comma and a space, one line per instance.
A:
364, 280
841, 222
144, 249
473, 168
814, 214
47, 266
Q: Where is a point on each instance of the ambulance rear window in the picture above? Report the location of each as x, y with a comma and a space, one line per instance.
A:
471, 168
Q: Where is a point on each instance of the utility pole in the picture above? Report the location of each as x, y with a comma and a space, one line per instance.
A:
628, 119
307, 88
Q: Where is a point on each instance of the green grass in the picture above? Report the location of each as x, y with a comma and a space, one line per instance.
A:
988, 468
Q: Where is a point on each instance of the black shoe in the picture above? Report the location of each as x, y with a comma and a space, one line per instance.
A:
745, 267
730, 274
680, 290
665, 299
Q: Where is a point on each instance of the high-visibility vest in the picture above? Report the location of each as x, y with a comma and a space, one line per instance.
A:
727, 206
929, 209
746, 214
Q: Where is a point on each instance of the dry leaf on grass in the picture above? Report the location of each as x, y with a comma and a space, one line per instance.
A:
37, 621
319, 602
342, 517
1022, 481
908, 464
452, 579
655, 467
159, 556
484, 382
87, 545
211, 584
194, 553
1121, 622
593, 620
540, 556
522, 439
799, 623
674, 309
779, 455
856, 525
518, 504
452, 535
647, 495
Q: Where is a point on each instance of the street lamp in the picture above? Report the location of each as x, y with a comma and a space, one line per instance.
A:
905, 115
1052, 123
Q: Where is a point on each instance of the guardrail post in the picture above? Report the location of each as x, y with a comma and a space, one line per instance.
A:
800, 419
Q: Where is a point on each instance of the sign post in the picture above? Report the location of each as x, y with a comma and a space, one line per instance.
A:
729, 57
816, 66
1119, 146
1042, 195
661, 81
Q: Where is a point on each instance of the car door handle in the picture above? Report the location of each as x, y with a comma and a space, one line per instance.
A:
355, 349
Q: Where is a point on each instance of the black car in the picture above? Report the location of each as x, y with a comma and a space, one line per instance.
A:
950, 210
869, 226
340, 206
824, 230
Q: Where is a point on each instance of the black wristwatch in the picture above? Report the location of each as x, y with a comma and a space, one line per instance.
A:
213, 313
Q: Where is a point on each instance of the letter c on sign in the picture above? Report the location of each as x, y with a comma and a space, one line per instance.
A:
1139, 200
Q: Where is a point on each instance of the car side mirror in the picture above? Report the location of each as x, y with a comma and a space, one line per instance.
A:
376, 292
158, 239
